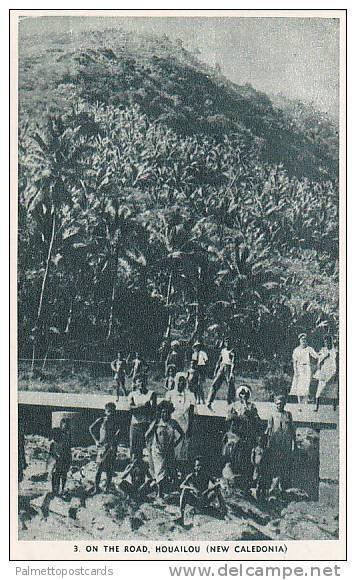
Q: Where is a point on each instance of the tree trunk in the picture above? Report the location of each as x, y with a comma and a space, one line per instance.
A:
69, 319
168, 331
198, 308
43, 288
113, 292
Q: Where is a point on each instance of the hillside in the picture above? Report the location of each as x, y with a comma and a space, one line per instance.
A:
173, 87
158, 199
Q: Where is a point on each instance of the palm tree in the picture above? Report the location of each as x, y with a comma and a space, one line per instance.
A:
59, 154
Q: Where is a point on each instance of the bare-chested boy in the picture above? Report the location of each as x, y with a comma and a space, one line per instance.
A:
106, 442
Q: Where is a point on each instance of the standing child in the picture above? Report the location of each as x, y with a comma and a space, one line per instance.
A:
106, 444
136, 369
200, 356
61, 450
170, 379
174, 357
193, 378
119, 366
224, 371
281, 445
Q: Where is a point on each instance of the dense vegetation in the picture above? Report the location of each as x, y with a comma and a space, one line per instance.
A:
161, 201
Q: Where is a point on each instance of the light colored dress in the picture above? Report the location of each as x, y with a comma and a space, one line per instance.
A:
162, 450
303, 370
182, 402
326, 374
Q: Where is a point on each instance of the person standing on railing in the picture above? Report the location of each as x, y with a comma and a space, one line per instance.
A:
174, 357
137, 365
326, 373
224, 371
302, 367
119, 366
199, 355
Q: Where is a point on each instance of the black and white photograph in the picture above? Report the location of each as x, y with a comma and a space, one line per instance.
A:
178, 371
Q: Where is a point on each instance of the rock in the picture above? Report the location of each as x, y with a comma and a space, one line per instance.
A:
308, 521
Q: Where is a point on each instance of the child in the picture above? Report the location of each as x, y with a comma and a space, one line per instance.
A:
137, 364
61, 451
119, 367
140, 480
224, 371
170, 379
174, 357
193, 378
199, 490
259, 460
281, 445
200, 356
200, 382
106, 444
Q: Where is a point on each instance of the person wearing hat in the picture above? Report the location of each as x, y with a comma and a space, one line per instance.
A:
302, 366
281, 445
224, 371
244, 428
201, 359
174, 357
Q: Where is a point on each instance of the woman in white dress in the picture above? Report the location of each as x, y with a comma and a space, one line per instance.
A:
302, 367
326, 373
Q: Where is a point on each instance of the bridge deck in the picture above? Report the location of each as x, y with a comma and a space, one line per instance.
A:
325, 418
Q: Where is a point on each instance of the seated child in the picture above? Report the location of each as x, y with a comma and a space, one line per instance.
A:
140, 481
61, 450
200, 491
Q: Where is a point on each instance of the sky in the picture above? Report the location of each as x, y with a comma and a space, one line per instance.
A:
298, 57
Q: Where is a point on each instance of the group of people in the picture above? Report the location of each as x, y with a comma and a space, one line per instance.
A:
160, 431
305, 359
258, 459
196, 374
308, 365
